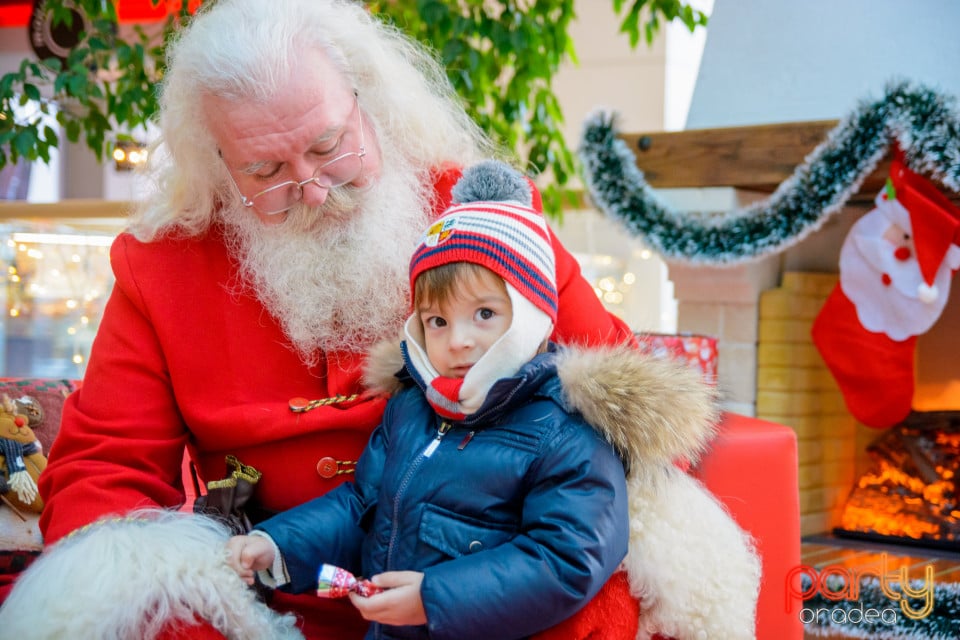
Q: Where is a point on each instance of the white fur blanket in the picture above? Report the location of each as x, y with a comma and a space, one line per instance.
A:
127, 577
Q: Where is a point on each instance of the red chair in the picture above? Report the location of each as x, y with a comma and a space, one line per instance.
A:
750, 467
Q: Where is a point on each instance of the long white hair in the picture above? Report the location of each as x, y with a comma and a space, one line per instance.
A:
244, 49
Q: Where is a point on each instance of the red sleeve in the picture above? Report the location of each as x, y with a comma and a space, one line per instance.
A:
582, 319
121, 440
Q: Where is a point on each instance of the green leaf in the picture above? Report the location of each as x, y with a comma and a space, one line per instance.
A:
60, 83
77, 86
7, 82
53, 64
32, 92
97, 43
73, 129
50, 136
25, 143
124, 55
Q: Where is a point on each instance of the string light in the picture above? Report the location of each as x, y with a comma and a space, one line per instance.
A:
57, 285
611, 282
128, 155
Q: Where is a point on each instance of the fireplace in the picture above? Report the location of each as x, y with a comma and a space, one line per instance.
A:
769, 367
909, 493
762, 312
895, 485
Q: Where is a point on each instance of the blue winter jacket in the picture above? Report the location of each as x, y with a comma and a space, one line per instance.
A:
517, 515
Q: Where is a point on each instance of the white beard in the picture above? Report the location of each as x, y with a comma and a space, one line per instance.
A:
335, 277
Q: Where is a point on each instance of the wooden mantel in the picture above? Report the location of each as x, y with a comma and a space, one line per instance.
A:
753, 158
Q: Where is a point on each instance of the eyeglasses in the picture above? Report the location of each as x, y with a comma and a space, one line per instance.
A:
343, 169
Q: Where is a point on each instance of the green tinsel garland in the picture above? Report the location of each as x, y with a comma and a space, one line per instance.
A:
920, 121
832, 617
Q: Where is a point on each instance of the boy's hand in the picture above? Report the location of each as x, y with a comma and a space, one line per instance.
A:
399, 605
248, 554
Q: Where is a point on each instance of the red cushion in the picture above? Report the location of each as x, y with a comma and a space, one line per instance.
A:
751, 468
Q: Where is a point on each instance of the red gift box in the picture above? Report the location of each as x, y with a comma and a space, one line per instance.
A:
699, 351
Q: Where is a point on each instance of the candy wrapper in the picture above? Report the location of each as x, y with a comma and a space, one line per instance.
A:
334, 582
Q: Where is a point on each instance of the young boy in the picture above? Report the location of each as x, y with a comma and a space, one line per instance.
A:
482, 504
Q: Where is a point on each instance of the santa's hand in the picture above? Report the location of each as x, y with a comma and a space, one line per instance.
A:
399, 605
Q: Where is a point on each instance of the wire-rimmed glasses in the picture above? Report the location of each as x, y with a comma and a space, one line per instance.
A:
343, 169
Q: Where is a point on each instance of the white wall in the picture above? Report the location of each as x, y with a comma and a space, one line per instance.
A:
649, 88
610, 75
783, 60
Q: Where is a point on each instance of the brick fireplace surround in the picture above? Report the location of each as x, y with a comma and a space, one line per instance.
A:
762, 311
768, 367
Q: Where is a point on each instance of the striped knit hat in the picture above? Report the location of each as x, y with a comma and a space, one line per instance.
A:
493, 225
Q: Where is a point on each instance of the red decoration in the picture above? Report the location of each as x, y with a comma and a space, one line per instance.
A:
896, 266
16, 13
699, 351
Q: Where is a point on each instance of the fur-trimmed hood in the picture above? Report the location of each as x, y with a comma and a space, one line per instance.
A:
653, 410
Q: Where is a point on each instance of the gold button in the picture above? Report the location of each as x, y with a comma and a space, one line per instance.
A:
327, 467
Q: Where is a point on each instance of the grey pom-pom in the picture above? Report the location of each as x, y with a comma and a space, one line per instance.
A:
492, 180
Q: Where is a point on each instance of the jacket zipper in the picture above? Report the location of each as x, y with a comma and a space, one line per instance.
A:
442, 431
426, 453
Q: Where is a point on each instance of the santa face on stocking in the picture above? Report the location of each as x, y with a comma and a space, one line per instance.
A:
880, 273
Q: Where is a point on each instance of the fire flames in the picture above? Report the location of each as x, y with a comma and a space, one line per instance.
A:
910, 491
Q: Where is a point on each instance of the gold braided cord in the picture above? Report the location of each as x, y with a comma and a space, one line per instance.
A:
323, 402
242, 471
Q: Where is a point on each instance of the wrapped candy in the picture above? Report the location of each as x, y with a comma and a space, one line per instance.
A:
334, 582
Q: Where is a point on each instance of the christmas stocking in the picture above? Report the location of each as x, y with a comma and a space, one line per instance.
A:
896, 265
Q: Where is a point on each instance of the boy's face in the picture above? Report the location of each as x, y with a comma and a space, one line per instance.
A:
460, 330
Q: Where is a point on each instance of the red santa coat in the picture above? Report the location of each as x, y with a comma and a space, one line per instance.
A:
181, 359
